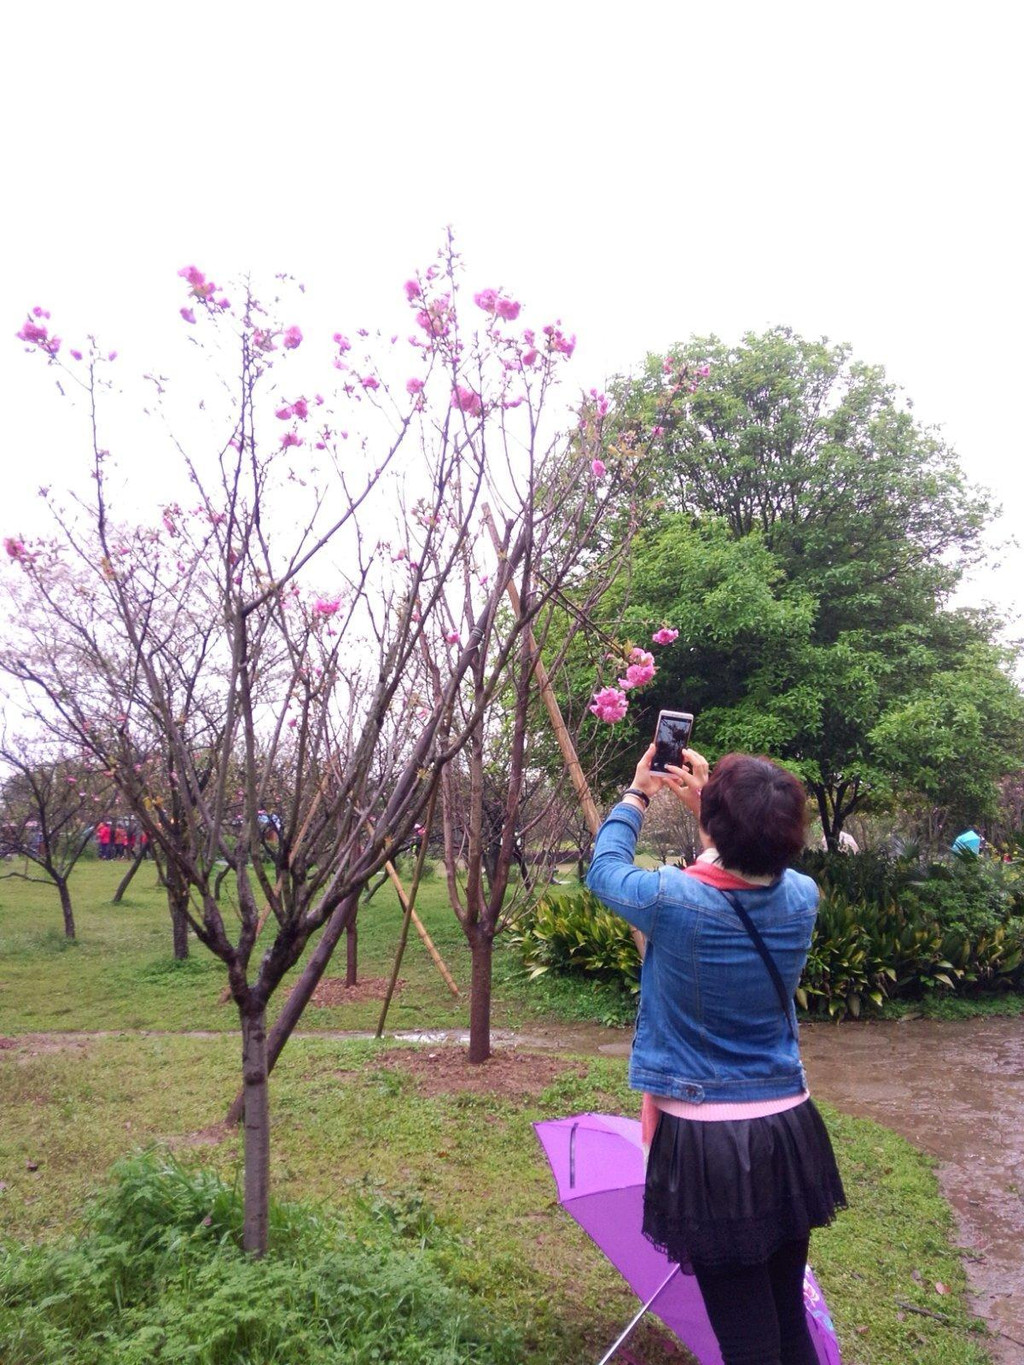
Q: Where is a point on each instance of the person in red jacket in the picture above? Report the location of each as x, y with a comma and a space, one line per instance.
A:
103, 833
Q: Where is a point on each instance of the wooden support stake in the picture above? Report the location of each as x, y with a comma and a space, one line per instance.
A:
572, 762
565, 743
421, 929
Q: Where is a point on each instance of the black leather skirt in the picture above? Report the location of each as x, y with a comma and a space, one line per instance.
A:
732, 1191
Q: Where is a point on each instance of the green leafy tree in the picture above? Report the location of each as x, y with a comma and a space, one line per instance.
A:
811, 534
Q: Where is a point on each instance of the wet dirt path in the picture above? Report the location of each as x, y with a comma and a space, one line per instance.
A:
956, 1090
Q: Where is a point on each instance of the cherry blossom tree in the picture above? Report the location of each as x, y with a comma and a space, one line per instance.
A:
270, 620
50, 802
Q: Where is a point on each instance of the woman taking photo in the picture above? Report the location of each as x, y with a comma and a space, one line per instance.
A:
740, 1166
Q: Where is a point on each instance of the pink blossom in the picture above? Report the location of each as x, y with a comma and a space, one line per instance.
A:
342, 342
664, 636
657, 431
640, 671
434, 319
452, 637
414, 385
609, 705
38, 312
300, 409
76, 355
326, 606
283, 413
558, 341
492, 302
292, 338
530, 357
467, 401
39, 336
369, 382
412, 290
15, 548
187, 314
290, 438
201, 287
111, 355
598, 468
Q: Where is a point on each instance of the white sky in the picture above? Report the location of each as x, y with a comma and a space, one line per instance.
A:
642, 171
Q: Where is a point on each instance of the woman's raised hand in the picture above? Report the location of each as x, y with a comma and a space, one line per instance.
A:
688, 782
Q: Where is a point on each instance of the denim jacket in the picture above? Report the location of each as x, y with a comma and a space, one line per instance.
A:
710, 1025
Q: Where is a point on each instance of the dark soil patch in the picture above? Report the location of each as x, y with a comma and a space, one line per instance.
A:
8, 1043
333, 991
211, 1136
448, 1071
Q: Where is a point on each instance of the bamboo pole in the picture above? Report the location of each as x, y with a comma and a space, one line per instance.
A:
421, 929
558, 724
572, 762
407, 901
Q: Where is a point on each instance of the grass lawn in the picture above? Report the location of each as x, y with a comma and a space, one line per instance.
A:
354, 1129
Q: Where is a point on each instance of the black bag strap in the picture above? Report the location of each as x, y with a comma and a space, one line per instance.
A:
766, 958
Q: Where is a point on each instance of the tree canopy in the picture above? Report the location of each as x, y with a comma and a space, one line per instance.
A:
809, 536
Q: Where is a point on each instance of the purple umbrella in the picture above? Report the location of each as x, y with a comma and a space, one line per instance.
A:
598, 1165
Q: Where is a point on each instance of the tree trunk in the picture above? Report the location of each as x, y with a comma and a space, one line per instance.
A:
126, 879
481, 945
257, 1132
179, 927
299, 996
831, 825
65, 905
351, 953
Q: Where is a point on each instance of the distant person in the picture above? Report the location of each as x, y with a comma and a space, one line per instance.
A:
847, 843
103, 833
741, 1167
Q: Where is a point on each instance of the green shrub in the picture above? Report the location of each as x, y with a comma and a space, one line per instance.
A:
159, 1276
572, 932
877, 877
903, 936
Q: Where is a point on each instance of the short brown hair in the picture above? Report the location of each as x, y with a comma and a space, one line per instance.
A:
755, 813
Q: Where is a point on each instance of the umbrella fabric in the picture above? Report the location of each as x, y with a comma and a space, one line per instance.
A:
598, 1164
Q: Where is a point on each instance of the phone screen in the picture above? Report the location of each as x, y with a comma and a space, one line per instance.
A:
670, 738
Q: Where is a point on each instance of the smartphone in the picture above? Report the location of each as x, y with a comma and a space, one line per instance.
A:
671, 737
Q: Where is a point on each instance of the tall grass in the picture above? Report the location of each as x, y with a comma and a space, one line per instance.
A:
159, 1275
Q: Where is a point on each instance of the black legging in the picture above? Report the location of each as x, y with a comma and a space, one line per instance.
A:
757, 1311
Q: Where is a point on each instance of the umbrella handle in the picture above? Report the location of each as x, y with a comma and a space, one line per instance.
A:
623, 1335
